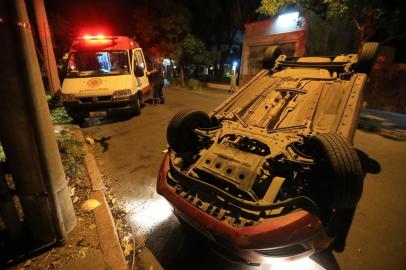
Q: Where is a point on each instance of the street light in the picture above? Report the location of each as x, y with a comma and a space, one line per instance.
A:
286, 22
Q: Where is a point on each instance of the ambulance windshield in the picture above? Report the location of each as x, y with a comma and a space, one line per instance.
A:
103, 63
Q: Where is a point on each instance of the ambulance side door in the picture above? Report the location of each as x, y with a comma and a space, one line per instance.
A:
139, 60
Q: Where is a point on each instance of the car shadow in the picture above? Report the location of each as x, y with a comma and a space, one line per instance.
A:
93, 122
326, 259
177, 246
368, 164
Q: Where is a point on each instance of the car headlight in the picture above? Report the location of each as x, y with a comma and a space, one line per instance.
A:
122, 94
69, 98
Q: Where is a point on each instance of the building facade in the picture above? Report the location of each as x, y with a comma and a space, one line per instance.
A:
297, 35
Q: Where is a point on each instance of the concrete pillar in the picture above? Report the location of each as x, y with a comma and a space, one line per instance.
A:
26, 131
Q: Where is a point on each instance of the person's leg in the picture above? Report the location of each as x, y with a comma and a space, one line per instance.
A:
155, 96
161, 94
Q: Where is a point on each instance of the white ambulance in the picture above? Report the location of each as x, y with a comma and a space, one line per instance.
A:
105, 75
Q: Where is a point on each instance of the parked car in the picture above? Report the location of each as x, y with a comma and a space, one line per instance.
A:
105, 75
263, 174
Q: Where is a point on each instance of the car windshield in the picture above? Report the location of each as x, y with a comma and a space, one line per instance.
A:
85, 64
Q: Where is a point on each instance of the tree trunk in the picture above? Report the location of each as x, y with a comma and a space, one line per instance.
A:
173, 74
182, 75
362, 37
46, 46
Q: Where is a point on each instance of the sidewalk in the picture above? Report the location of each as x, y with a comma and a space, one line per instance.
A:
93, 243
387, 124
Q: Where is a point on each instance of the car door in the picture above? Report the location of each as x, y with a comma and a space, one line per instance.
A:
139, 60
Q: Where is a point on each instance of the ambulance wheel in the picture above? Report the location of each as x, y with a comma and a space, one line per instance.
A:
137, 106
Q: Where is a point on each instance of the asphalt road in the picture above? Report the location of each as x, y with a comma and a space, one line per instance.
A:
130, 155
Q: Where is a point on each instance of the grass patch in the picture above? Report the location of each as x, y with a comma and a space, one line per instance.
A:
60, 116
194, 84
72, 153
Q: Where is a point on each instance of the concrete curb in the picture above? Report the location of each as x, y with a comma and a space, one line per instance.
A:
386, 124
106, 229
112, 252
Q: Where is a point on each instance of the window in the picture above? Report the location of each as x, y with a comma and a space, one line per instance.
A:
140, 59
103, 63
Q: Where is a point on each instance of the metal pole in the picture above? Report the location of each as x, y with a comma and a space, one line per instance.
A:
46, 45
26, 131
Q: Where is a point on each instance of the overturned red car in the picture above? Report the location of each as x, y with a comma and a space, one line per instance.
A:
264, 173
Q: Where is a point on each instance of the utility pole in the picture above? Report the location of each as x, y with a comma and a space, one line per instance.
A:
46, 46
26, 132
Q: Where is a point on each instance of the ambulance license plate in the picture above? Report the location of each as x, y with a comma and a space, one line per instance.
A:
98, 114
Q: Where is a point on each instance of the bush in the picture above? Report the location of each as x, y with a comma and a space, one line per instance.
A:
60, 116
173, 81
193, 84
2, 156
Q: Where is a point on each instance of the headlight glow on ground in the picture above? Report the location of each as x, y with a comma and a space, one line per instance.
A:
299, 264
147, 214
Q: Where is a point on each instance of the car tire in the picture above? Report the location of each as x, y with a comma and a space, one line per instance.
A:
367, 57
270, 56
76, 120
180, 134
340, 171
137, 106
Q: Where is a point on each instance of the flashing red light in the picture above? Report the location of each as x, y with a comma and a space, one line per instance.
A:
95, 41
98, 36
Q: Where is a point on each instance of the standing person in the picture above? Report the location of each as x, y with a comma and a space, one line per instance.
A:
233, 81
159, 82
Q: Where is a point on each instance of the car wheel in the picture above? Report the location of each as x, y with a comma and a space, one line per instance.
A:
340, 171
270, 56
366, 58
137, 106
180, 134
76, 120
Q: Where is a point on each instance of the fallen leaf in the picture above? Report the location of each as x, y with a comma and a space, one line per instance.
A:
27, 263
127, 246
92, 226
75, 199
90, 140
83, 252
58, 129
90, 205
71, 191
119, 224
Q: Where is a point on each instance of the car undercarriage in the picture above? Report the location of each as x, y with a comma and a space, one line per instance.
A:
281, 144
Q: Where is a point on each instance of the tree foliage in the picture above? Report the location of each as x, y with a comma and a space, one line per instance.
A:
217, 23
368, 16
160, 25
192, 51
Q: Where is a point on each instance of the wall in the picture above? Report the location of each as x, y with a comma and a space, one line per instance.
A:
288, 34
386, 89
309, 36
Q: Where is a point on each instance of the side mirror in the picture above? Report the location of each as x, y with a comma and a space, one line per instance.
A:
139, 71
